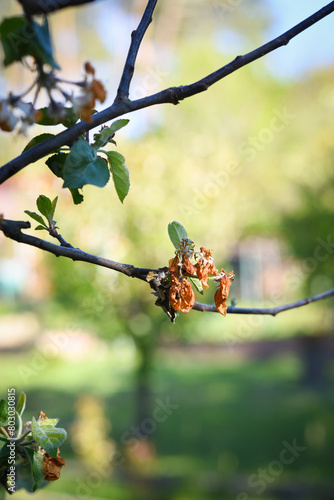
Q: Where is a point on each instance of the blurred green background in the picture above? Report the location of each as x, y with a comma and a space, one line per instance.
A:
207, 407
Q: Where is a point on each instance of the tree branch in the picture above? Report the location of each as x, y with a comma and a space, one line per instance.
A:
136, 39
272, 311
171, 95
32, 7
13, 230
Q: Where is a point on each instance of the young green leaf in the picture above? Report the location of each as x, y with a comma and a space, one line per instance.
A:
53, 206
37, 474
177, 233
3, 413
44, 205
37, 140
49, 116
106, 134
44, 44
56, 164
82, 166
21, 403
197, 284
49, 422
76, 196
36, 217
22, 37
120, 173
48, 437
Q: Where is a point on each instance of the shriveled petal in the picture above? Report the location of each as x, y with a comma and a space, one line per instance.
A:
89, 68
222, 292
203, 273
98, 90
181, 295
225, 284
188, 268
187, 298
52, 466
220, 302
173, 265
213, 270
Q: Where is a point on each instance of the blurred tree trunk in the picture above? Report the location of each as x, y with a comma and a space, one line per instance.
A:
314, 355
143, 391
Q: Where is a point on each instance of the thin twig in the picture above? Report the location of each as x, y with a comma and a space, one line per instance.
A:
136, 39
54, 233
272, 311
171, 95
13, 230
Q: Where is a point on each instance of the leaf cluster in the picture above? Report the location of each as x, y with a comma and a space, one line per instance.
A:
31, 441
83, 165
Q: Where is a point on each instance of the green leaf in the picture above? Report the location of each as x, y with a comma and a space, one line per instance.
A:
44, 205
24, 478
37, 474
21, 403
37, 140
36, 217
44, 49
22, 37
3, 444
106, 134
120, 173
53, 205
77, 196
65, 116
48, 437
56, 163
3, 413
82, 166
39, 228
197, 284
49, 422
177, 233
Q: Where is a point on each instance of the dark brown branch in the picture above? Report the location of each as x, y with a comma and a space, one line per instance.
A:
171, 95
271, 311
136, 39
13, 230
32, 7
54, 233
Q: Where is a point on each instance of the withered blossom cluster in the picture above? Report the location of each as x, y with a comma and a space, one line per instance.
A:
51, 467
190, 264
14, 109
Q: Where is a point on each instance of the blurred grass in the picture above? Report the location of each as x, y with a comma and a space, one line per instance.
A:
230, 421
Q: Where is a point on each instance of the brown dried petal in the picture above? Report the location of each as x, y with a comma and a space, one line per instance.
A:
188, 268
173, 265
98, 90
203, 273
181, 295
52, 466
89, 68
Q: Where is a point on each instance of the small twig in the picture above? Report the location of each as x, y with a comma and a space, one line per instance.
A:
13, 230
171, 95
272, 311
55, 234
136, 39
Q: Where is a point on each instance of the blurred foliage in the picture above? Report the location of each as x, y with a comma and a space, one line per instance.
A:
252, 156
